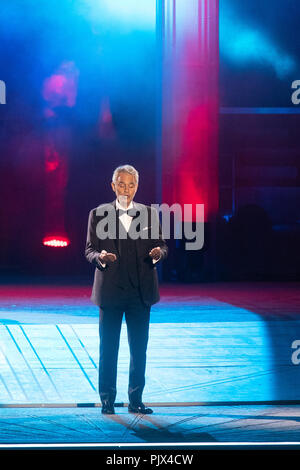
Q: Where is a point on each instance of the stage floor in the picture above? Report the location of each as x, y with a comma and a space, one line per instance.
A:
185, 425
232, 344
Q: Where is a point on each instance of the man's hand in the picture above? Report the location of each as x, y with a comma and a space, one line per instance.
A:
155, 253
107, 257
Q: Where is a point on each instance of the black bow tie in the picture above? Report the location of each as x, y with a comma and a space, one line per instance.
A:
131, 212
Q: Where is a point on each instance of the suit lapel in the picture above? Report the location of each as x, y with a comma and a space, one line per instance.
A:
116, 240
140, 242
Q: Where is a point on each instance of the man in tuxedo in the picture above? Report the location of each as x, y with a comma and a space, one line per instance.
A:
124, 242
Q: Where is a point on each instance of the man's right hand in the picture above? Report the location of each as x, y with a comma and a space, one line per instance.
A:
107, 257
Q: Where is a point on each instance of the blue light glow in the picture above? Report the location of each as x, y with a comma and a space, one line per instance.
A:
242, 44
129, 14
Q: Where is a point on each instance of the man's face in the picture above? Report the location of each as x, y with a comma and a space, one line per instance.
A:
125, 188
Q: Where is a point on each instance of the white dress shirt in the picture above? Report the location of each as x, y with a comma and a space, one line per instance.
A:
125, 218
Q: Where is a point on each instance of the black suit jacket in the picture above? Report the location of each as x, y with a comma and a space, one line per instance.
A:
105, 286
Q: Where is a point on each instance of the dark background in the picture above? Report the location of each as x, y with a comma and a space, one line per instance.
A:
258, 231
259, 149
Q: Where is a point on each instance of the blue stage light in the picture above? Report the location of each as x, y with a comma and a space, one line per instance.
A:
243, 44
135, 14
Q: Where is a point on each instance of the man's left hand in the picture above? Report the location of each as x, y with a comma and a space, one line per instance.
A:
155, 253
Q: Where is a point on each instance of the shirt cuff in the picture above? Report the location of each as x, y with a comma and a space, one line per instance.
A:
99, 261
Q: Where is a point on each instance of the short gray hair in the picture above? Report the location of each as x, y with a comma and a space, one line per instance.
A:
128, 169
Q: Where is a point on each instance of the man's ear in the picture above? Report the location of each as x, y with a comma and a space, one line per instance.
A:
113, 187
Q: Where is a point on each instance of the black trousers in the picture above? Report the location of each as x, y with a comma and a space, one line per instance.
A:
137, 316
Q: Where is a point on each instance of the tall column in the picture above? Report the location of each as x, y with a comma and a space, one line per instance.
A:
190, 105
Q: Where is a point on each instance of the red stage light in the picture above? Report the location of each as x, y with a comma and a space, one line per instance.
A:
56, 242
190, 104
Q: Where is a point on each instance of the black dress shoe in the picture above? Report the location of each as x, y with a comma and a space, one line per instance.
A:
139, 408
108, 408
